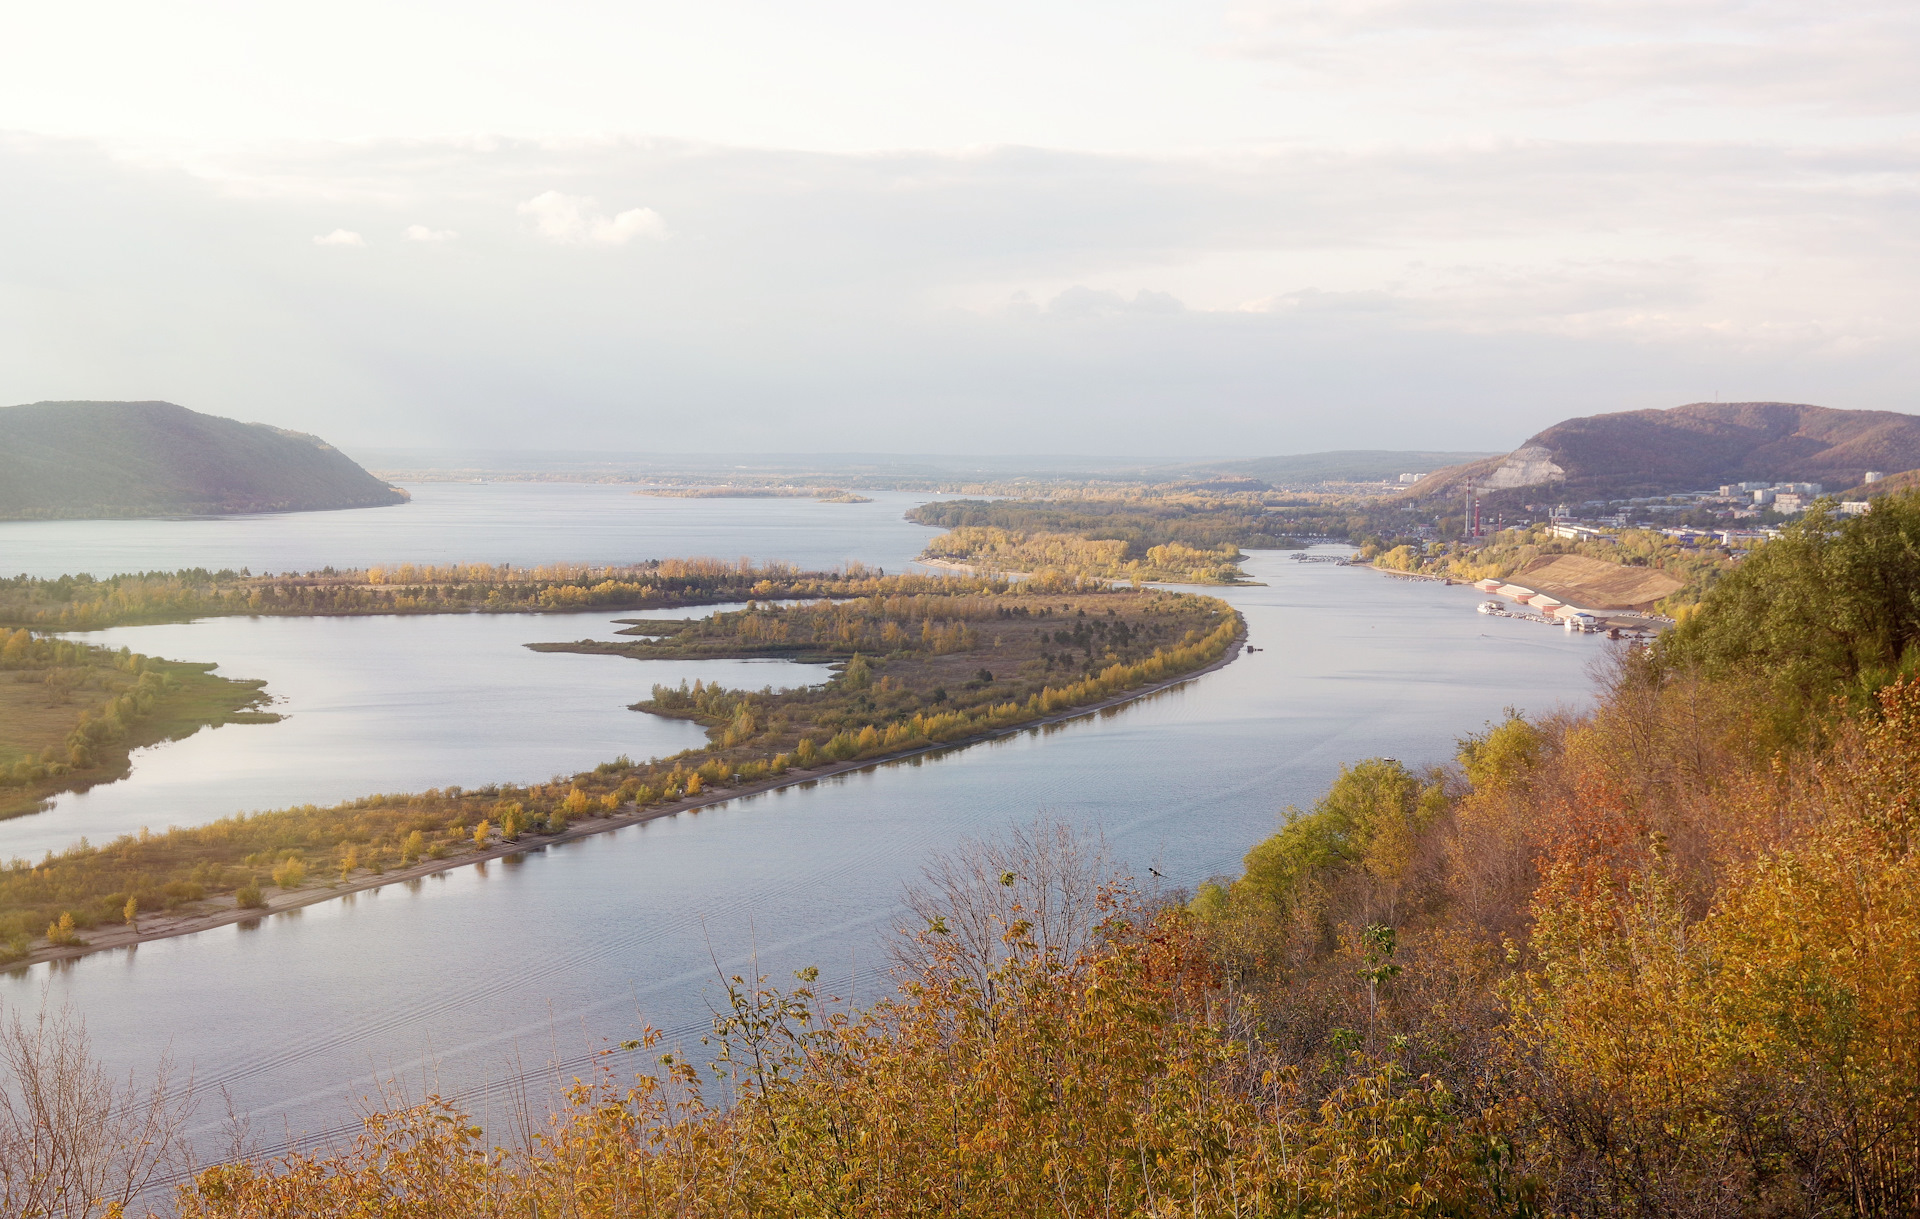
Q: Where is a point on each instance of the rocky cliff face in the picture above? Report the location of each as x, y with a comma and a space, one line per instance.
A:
1527, 466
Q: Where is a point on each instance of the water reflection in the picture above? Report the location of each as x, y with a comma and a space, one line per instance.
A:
526, 524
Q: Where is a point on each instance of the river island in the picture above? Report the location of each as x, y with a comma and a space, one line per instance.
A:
913, 663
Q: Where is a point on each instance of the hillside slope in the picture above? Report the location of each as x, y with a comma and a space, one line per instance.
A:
1693, 447
1596, 584
128, 459
1898, 480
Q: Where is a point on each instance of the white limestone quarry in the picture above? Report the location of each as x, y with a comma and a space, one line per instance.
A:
1527, 466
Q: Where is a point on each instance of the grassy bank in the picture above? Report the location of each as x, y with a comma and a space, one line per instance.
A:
72, 713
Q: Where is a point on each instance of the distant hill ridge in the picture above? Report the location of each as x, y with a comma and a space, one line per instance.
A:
1339, 465
133, 459
1693, 447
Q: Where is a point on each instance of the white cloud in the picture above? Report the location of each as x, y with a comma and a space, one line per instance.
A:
1450, 296
576, 219
341, 237
634, 222
420, 232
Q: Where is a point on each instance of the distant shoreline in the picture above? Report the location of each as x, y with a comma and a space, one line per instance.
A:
163, 926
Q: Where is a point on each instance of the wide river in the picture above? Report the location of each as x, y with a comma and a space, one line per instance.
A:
467, 981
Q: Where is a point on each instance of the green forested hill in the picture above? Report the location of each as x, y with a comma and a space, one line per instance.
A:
121, 459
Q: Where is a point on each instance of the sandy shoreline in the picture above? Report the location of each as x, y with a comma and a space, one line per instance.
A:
161, 926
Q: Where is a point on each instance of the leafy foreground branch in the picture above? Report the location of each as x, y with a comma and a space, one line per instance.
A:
969, 659
1094, 1082
74, 1142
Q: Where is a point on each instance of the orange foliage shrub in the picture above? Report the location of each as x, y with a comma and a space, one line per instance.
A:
1101, 1085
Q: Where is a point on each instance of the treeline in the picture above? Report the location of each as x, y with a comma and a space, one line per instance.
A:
1204, 520
1208, 523
916, 697
1046, 554
1654, 959
1160, 534
84, 603
883, 625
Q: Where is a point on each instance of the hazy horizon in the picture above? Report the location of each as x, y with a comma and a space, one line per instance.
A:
1270, 227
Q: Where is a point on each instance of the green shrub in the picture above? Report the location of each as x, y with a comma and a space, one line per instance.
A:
291, 873
62, 933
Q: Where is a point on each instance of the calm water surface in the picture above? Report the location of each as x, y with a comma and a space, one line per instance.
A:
388, 705
463, 981
520, 523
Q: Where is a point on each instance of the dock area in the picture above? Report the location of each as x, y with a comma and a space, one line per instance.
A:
1532, 605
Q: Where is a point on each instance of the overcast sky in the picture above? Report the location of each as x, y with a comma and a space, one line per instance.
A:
1114, 228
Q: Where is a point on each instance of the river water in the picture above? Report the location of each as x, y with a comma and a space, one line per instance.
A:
462, 982
521, 523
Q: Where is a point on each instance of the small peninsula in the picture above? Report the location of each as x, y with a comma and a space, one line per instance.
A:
72, 713
113, 460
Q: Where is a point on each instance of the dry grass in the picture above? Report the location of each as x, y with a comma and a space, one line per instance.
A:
38, 706
1598, 584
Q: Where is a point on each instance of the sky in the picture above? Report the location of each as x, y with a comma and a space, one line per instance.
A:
1124, 228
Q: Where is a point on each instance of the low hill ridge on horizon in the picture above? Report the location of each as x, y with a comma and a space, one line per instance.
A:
67, 460
1334, 465
1694, 447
